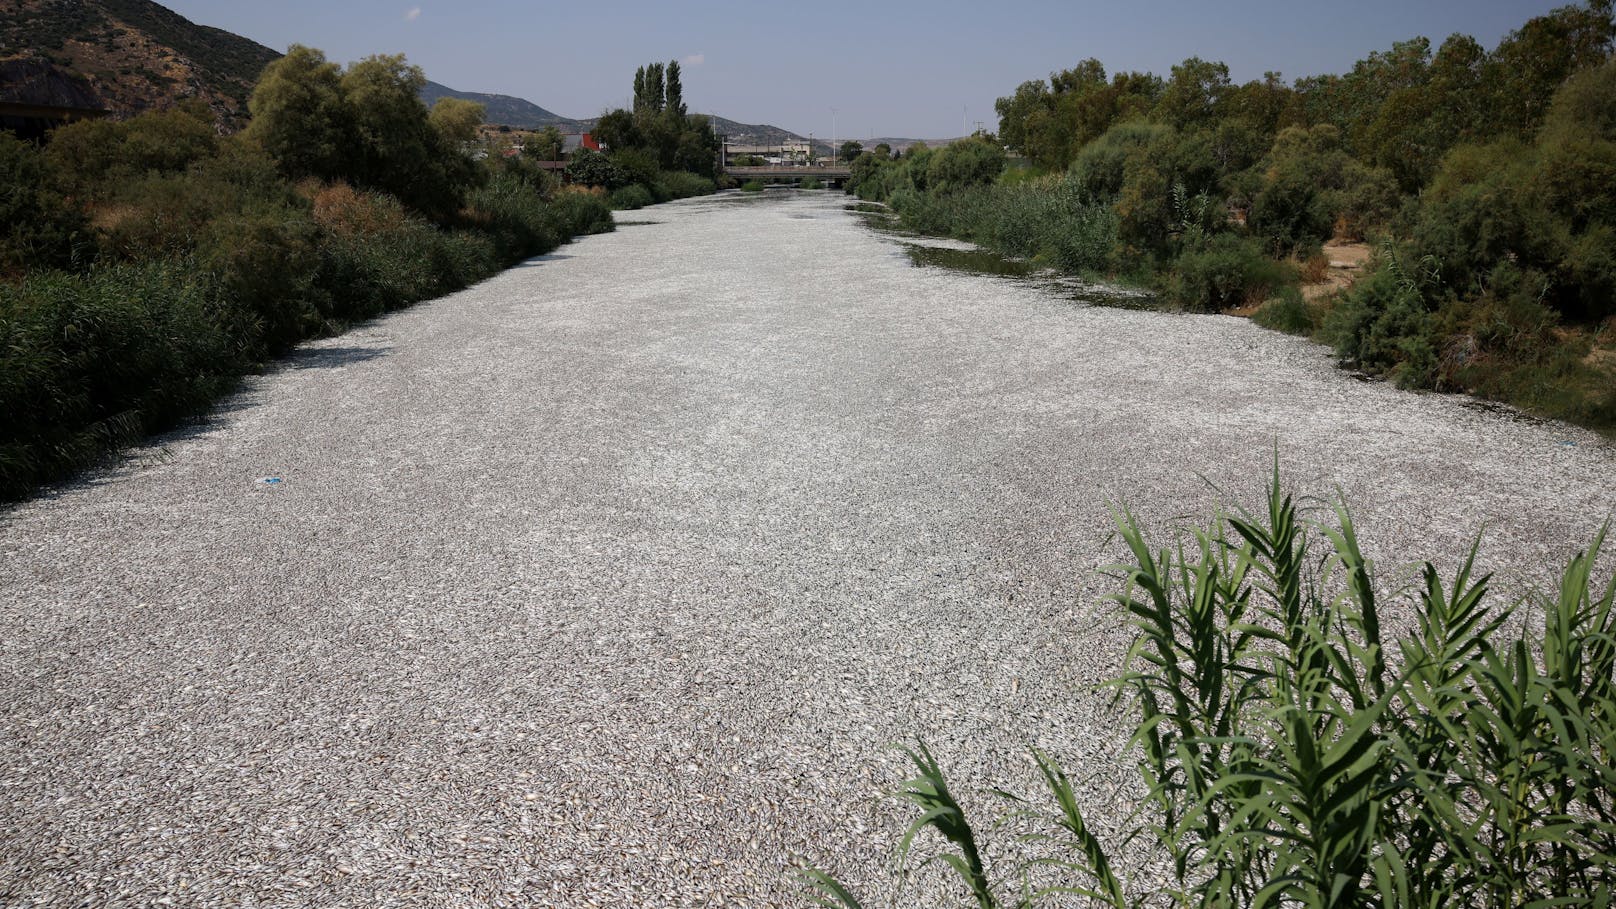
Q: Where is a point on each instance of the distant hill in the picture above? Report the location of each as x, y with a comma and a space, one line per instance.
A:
504, 109
134, 54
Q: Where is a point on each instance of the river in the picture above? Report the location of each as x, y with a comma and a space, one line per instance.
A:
611, 579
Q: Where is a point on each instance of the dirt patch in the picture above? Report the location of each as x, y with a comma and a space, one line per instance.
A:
1347, 262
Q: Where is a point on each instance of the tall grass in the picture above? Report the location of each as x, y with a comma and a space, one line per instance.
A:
1296, 752
1048, 219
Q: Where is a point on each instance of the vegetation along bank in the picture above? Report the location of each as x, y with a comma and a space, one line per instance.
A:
1485, 181
146, 264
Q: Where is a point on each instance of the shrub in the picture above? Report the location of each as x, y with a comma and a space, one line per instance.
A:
632, 197
1288, 313
94, 361
264, 265
38, 228
1227, 271
591, 168
968, 163
678, 184
752, 186
91, 157
1383, 325
1294, 753
575, 214
810, 183
515, 217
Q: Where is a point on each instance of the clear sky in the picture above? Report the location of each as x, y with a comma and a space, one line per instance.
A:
887, 67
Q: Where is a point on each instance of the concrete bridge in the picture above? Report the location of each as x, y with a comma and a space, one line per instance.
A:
823, 172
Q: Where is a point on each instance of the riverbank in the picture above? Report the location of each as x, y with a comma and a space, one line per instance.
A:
1508, 352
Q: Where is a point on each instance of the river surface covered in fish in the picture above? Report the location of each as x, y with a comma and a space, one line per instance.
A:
611, 580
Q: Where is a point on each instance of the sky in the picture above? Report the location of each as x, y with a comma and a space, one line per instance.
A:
837, 69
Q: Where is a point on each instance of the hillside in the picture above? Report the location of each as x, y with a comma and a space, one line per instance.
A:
135, 54
504, 109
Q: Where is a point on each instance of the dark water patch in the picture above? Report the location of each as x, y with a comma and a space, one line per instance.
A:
638, 223
974, 261
869, 208
987, 262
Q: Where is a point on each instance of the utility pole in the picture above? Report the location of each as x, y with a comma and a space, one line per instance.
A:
833, 137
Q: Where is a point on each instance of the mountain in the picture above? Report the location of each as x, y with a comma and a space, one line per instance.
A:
134, 54
504, 109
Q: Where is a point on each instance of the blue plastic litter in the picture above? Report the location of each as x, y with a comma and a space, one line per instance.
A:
271, 481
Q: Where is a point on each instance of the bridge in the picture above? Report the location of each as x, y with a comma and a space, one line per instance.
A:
822, 172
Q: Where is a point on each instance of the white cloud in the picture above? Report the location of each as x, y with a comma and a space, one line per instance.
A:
413, 14
695, 59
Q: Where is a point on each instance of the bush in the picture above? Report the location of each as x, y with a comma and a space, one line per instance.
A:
38, 228
752, 186
968, 163
1228, 271
515, 217
92, 362
678, 184
1288, 313
591, 168
1383, 326
1294, 753
264, 265
631, 197
575, 214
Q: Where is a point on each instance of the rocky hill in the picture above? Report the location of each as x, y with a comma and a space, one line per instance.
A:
134, 54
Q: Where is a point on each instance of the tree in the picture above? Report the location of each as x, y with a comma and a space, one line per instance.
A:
976, 161
1533, 61
94, 156
591, 168
367, 125
674, 94
850, 150
300, 117
398, 151
547, 144
456, 119
1194, 95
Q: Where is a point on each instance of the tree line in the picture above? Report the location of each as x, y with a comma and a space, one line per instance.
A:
1486, 180
147, 263
655, 151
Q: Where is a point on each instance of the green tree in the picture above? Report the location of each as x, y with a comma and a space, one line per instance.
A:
299, 115
976, 161
1532, 62
456, 120
546, 144
397, 150
591, 168
93, 157
674, 93
1193, 96
850, 151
